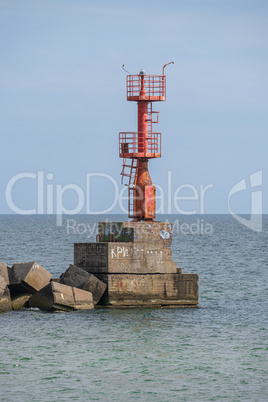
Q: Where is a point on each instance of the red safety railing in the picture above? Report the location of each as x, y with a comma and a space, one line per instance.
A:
135, 145
154, 85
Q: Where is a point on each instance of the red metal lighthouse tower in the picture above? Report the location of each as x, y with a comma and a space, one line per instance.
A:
134, 258
138, 147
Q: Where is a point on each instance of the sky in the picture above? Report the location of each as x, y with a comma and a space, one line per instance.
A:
63, 103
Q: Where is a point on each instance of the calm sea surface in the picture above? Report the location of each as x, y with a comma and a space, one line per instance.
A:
216, 352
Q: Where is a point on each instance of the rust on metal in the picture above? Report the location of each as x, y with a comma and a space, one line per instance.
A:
136, 148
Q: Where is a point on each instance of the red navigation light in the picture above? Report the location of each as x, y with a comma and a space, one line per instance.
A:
138, 147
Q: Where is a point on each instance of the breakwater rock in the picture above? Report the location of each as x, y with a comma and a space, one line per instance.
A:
75, 276
28, 277
56, 296
30, 285
5, 299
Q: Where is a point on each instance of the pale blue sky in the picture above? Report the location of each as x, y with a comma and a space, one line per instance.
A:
63, 97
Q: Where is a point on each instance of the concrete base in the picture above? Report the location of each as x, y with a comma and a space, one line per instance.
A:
148, 289
134, 260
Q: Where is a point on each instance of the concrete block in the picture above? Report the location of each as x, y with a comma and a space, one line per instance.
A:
5, 300
151, 289
114, 231
93, 255
116, 257
79, 278
56, 296
21, 301
28, 277
148, 232
4, 272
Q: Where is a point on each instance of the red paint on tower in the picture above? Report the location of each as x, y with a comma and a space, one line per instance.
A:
138, 147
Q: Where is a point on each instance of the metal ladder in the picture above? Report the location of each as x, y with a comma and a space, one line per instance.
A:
150, 117
131, 189
131, 165
129, 170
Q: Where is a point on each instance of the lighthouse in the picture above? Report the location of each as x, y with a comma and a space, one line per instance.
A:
134, 257
137, 148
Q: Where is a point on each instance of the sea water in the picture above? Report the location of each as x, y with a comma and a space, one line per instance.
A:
216, 352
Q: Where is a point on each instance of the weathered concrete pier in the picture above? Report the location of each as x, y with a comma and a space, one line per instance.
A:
134, 259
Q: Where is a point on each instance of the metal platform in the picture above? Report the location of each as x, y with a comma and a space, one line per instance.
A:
134, 145
154, 86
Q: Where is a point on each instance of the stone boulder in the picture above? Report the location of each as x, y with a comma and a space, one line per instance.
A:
5, 300
56, 296
28, 277
77, 277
